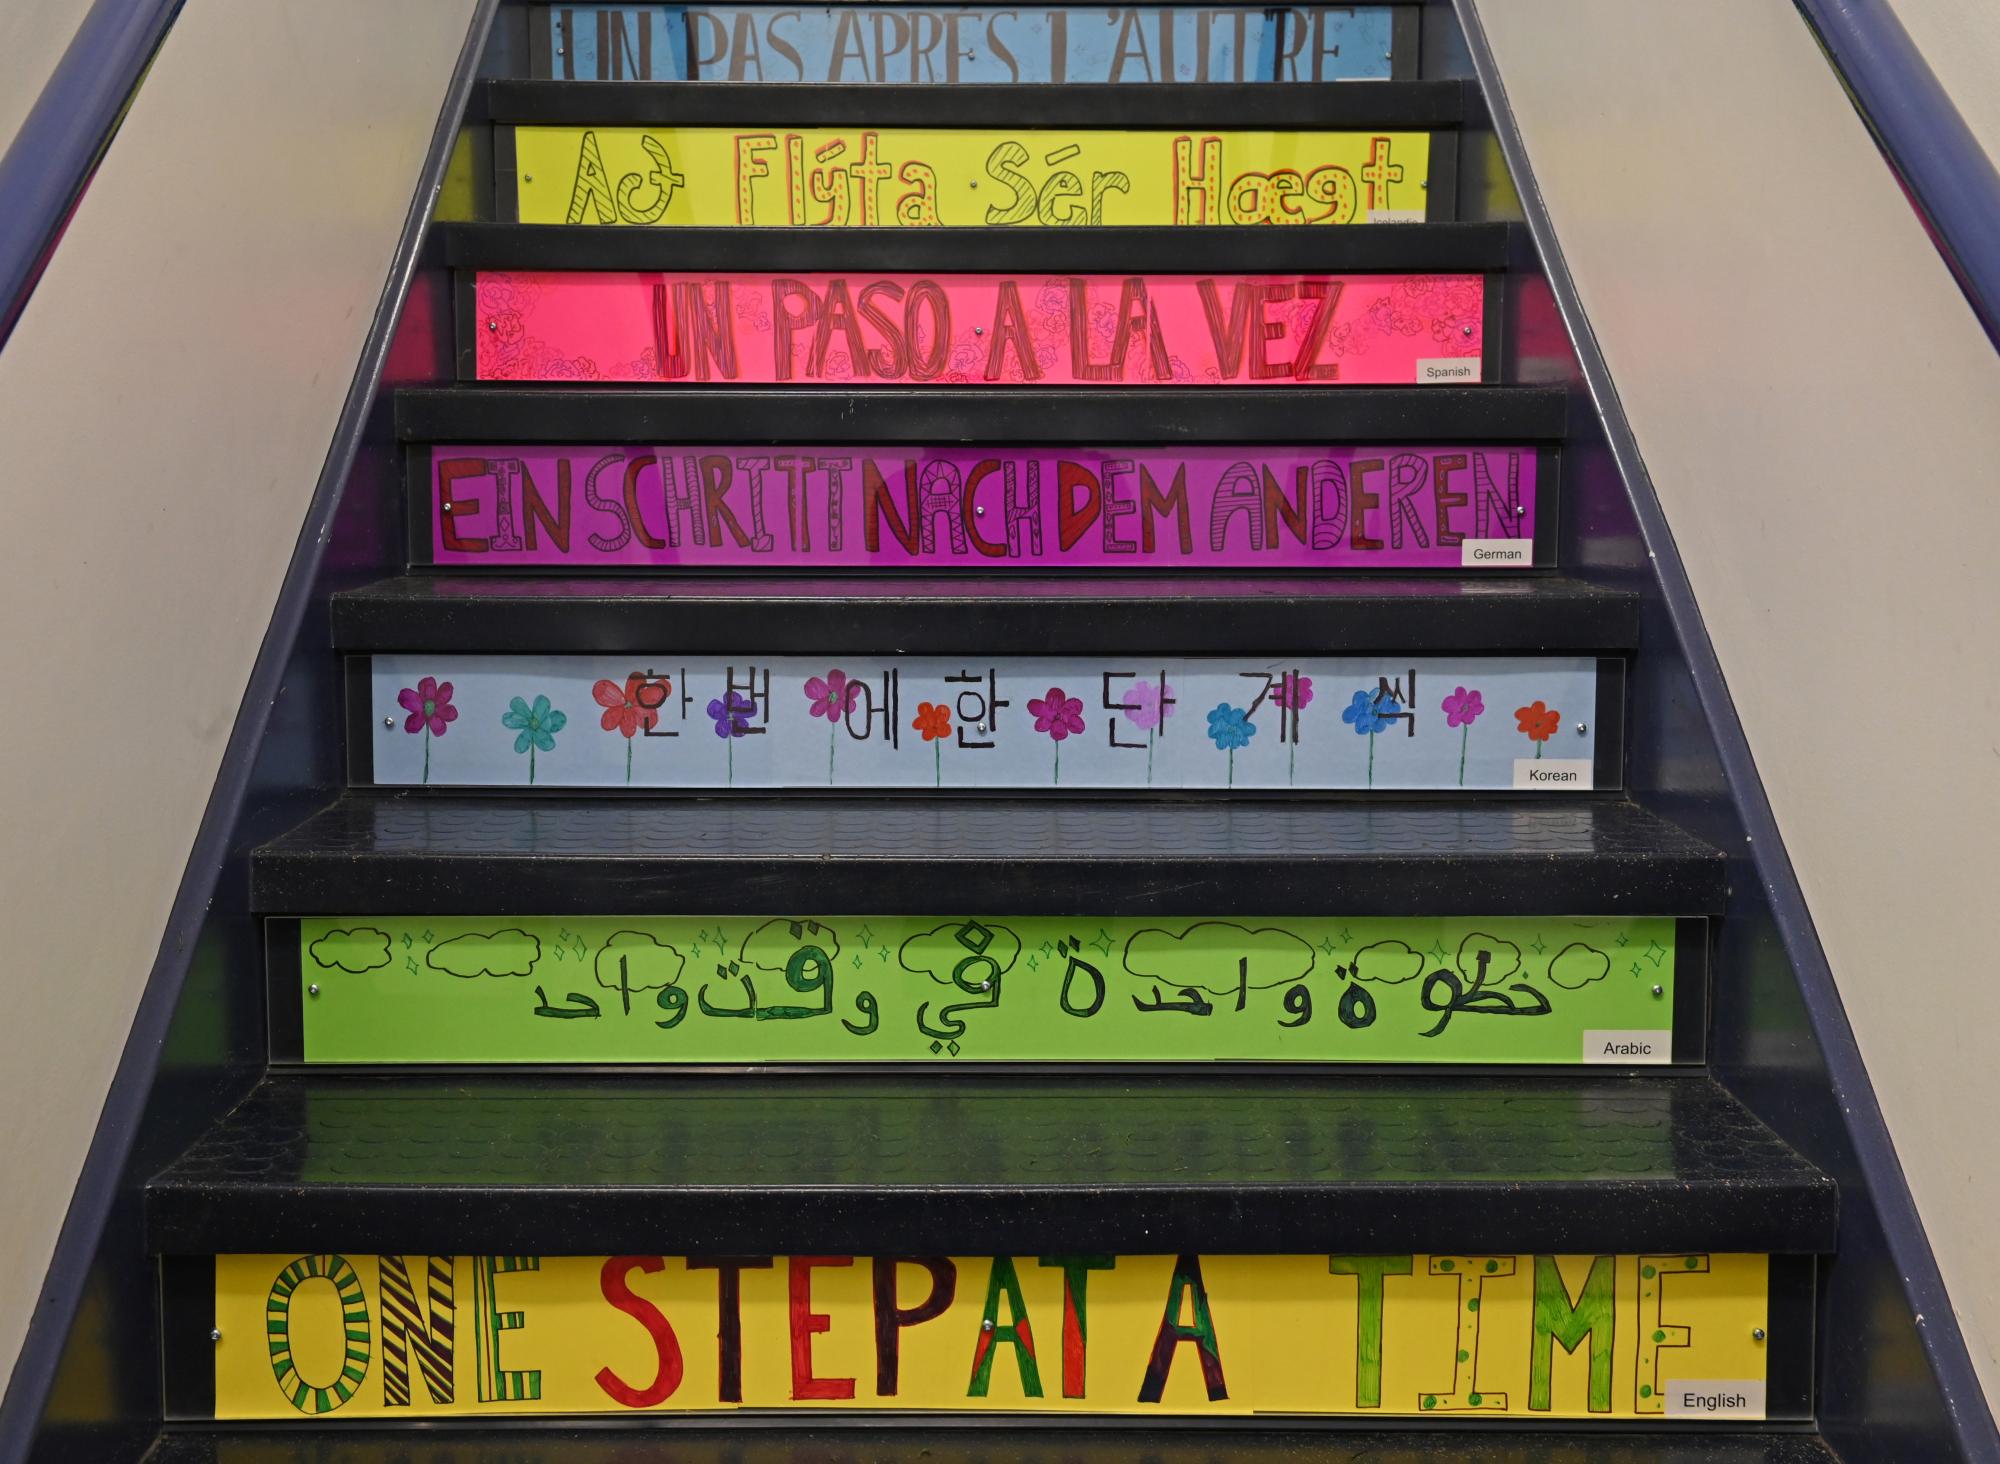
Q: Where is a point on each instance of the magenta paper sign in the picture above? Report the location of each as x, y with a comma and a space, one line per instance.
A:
1061, 330
985, 509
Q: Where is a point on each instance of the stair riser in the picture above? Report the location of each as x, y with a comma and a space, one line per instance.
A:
971, 44
876, 177
977, 330
983, 509
695, 990
1468, 1337
1444, 725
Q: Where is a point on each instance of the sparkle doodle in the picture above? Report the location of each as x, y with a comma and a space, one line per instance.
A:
980, 329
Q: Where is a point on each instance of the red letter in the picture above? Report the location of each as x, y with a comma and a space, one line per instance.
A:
668, 1376
450, 473
806, 1323
1075, 519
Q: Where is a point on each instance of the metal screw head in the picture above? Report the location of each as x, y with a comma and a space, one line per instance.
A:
975, 182
1756, 1334
1466, 329
527, 177
313, 989
1659, 991
986, 1325
1582, 728
493, 325
979, 510
979, 330
980, 729
215, 1334
388, 723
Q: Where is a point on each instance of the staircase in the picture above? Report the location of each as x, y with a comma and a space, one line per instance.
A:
1012, 826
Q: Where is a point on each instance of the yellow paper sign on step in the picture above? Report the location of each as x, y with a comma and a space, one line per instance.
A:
1479, 1336
880, 177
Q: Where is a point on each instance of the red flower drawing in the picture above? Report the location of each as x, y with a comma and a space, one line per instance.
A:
933, 721
633, 706
1539, 721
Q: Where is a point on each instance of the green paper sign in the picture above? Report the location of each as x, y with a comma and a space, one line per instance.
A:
876, 988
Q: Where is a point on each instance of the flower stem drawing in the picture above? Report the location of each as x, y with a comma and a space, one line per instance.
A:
1294, 693
1059, 716
1148, 705
1368, 712
1461, 709
934, 721
431, 713
1230, 728
831, 696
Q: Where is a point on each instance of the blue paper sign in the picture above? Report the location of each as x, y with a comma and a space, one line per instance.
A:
949, 44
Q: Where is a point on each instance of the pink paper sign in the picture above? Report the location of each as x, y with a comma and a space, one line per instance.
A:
977, 329
985, 509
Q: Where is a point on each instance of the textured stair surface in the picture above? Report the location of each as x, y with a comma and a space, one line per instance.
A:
406, 854
1375, 104
1401, 248
668, 1163
1070, 1444
939, 615
828, 414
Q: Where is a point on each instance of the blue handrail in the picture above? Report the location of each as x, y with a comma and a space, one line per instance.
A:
1948, 173
49, 161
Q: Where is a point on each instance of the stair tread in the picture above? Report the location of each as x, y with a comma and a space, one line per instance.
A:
411, 853
812, 414
916, 614
501, 1162
1072, 1444
1372, 104
1137, 249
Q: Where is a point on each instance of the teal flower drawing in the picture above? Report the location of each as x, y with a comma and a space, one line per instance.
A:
536, 727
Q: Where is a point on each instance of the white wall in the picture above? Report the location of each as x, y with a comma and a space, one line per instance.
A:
33, 36
166, 403
1821, 413
1961, 41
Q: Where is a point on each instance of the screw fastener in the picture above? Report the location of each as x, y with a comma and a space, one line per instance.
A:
215, 1334
313, 990
1659, 991
1582, 728
493, 325
986, 1325
388, 723
1756, 1334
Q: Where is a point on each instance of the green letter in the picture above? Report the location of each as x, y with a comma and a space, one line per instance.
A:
1017, 1331
1556, 1320
1368, 1272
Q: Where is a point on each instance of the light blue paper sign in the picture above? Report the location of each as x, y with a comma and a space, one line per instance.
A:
982, 723
905, 44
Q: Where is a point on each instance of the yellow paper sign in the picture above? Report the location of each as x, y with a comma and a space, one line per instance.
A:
411, 1337
724, 176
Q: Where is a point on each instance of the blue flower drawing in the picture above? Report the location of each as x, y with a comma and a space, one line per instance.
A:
1367, 715
537, 727
1230, 728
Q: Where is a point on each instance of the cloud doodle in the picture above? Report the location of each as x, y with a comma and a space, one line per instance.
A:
502, 953
943, 949
1390, 962
1503, 958
1576, 965
352, 951
771, 945
1214, 956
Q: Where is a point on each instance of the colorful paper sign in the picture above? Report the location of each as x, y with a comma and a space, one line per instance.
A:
902, 988
666, 721
1468, 1337
813, 508
977, 44
980, 329
727, 177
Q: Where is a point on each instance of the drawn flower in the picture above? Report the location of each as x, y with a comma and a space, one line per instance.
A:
1462, 708
1368, 712
632, 707
1148, 704
1364, 715
732, 713
831, 697
1293, 692
429, 706
934, 721
1539, 721
1058, 715
537, 726
1230, 728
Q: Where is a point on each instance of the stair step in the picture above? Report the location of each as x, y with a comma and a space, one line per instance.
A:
912, 615
985, 1444
1403, 105
1158, 415
1396, 248
408, 854
738, 1163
